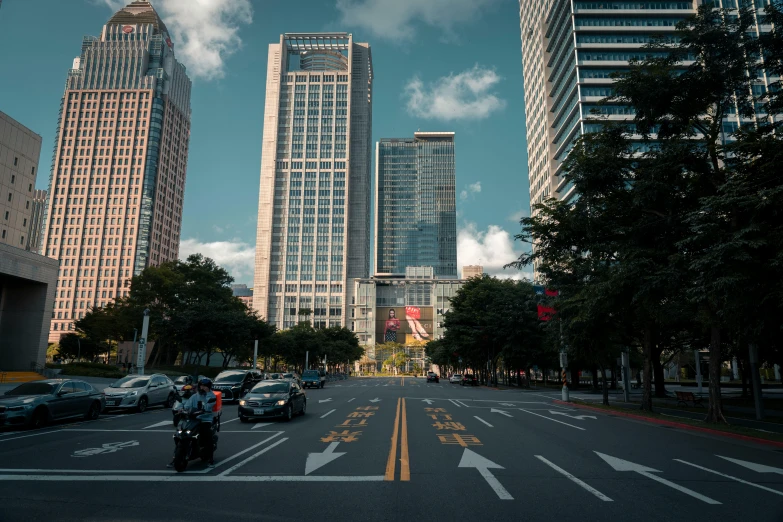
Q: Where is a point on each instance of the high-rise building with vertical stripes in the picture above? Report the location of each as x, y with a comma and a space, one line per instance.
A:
117, 179
313, 233
415, 204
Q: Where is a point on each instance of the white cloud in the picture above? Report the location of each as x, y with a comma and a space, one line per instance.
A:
475, 187
235, 256
205, 32
492, 248
464, 96
218, 229
518, 215
463, 195
394, 19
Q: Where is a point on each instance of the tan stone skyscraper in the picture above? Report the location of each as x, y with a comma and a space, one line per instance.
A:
118, 175
314, 205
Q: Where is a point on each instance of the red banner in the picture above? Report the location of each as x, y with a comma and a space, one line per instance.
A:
545, 313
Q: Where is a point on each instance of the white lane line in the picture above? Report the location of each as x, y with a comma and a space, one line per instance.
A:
181, 477
462, 403
251, 457
485, 422
251, 448
349, 400
328, 413
34, 435
99, 471
226, 422
775, 491
549, 418
455, 403
259, 425
586, 486
159, 424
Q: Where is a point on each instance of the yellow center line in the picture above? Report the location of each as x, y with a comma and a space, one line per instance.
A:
391, 462
405, 469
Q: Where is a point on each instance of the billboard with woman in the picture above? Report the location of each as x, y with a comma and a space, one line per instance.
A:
404, 324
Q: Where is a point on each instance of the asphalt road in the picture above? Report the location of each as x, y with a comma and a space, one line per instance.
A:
392, 449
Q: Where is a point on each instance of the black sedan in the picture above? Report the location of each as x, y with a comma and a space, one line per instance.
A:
233, 384
36, 403
432, 377
276, 398
469, 380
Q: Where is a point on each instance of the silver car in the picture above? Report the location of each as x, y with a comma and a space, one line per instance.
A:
141, 391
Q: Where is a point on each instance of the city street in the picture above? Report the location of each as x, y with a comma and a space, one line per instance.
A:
393, 449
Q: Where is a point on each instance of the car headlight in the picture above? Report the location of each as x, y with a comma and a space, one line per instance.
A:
20, 408
131, 393
242, 402
281, 402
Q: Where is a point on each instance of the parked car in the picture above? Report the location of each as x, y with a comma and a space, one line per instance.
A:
455, 379
274, 398
469, 380
141, 391
433, 377
233, 384
314, 379
293, 375
36, 403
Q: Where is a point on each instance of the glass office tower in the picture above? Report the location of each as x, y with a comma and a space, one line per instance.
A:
415, 207
313, 232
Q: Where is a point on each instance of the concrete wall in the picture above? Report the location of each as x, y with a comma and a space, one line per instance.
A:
27, 290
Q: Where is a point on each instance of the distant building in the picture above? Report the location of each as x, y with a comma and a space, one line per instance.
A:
472, 271
244, 294
20, 149
415, 205
37, 220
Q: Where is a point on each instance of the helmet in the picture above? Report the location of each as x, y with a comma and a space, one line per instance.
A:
206, 381
187, 390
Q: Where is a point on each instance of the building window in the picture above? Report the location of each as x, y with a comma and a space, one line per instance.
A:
3, 234
9, 196
16, 161
13, 178
21, 242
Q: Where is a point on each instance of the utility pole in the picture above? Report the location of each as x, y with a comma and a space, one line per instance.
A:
145, 326
255, 355
754, 379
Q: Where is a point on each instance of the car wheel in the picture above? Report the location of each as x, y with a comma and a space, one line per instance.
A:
94, 412
304, 407
242, 418
289, 413
142, 406
170, 401
39, 419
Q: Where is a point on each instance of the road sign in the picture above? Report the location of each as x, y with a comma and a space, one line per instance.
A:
563, 360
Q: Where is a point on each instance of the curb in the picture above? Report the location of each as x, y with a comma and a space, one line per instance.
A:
675, 424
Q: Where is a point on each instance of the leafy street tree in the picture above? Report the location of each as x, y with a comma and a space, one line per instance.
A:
72, 346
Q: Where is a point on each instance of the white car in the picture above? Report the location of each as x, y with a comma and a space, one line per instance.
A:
455, 379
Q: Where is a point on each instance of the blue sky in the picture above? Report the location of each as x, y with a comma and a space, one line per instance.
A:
440, 65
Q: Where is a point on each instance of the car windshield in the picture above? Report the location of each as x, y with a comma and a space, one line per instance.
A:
275, 376
271, 387
33, 388
182, 379
132, 381
310, 373
230, 377
288, 375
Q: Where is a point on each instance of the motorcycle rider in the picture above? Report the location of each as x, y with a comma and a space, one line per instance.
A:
204, 401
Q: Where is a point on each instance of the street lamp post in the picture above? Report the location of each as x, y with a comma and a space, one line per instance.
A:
142, 356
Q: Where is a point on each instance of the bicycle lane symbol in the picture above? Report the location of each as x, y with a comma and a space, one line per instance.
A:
110, 447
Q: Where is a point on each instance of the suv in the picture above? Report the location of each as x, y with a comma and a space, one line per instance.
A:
432, 377
469, 380
313, 379
233, 384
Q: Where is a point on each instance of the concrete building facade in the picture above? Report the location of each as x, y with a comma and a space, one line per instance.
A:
37, 220
313, 234
469, 271
415, 204
20, 149
244, 294
117, 181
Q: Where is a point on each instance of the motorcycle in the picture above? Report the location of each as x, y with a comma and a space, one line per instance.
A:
186, 440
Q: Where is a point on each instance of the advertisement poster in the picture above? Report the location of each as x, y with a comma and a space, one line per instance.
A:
403, 324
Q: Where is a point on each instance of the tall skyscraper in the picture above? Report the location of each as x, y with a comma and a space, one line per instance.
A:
118, 175
37, 220
569, 49
20, 149
415, 205
313, 232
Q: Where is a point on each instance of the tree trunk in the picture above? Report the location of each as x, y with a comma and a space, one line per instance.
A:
660, 385
743, 367
574, 378
715, 409
594, 370
605, 387
647, 384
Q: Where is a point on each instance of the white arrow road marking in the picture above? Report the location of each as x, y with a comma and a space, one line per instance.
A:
506, 404
428, 401
375, 400
324, 400
485, 422
624, 465
553, 420
261, 425
588, 487
733, 478
328, 413
580, 417
349, 400
316, 460
759, 468
162, 423
493, 410
471, 459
